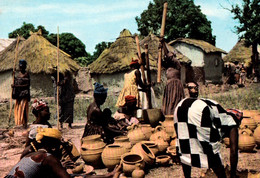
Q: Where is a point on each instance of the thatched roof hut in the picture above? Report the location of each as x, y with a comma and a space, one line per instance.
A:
5, 42
40, 54
118, 57
239, 53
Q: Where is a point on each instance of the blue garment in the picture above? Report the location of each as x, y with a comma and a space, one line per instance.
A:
99, 89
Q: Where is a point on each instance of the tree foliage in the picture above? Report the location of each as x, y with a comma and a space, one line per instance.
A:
24, 31
99, 48
184, 19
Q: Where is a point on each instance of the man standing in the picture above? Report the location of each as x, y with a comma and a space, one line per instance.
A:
200, 124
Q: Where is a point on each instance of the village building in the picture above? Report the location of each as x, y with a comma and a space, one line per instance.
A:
206, 59
41, 57
4, 43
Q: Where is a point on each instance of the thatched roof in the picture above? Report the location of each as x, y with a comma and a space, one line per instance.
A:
205, 46
5, 42
153, 43
40, 54
118, 57
239, 53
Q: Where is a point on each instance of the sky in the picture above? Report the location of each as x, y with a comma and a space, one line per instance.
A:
94, 21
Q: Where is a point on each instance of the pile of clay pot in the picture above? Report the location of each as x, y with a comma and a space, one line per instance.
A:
143, 148
249, 132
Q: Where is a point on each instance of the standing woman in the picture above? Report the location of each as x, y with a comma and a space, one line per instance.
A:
21, 88
131, 83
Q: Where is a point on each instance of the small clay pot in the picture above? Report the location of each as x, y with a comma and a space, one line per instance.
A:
129, 161
138, 172
145, 151
163, 160
246, 142
152, 145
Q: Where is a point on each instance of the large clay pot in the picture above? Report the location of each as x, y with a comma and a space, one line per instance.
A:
160, 131
111, 155
250, 122
257, 135
138, 172
145, 151
162, 160
152, 116
168, 123
162, 144
147, 130
250, 113
91, 149
152, 145
257, 119
246, 129
129, 160
123, 141
135, 134
246, 142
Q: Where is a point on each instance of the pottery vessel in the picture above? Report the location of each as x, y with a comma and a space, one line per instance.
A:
92, 141
123, 141
257, 135
245, 128
135, 134
246, 142
138, 172
129, 160
257, 119
168, 123
162, 160
152, 116
160, 132
152, 145
250, 122
250, 113
147, 130
162, 144
111, 155
145, 151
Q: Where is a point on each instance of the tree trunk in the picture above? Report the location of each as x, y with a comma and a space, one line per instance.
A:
255, 62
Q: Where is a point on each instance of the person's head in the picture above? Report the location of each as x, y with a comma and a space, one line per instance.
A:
100, 93
49, 139
134, 64
193, 89
130, 104
22, 64
40, 109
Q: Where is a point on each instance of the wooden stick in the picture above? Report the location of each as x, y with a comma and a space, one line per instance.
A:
149, 99
58, 79
15, 59
160, 46
140, 58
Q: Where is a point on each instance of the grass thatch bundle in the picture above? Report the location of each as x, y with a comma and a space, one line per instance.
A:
40, 54
205, 46
118, 57
239, 53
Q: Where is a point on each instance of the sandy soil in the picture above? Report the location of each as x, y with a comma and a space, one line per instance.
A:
11, 147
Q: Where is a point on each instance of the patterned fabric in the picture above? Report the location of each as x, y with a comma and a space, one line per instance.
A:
39, 104
134, 62
130, 88
33, 130
21, 111
200, 124
47, 132
99, 89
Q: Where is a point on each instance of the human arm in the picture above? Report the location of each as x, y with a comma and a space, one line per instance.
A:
233, 151
139, 80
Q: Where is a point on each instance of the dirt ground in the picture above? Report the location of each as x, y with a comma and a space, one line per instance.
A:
11, 147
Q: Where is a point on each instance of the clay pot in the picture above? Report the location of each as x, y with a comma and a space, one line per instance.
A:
171, 150
250, 113
145, 151
161, 144
173, 142
152, 116
246, 129
111, 155
91, 149
138, 172
257, 135
162, 160
168, 123
257, 119
147, 130
129, 160
135, 134
123, 141
152, 145
160, 131
246, 142
249, 122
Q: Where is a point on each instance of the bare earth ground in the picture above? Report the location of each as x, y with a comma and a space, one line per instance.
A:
11, 147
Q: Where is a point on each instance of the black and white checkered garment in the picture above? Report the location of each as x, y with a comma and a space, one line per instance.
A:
200, 124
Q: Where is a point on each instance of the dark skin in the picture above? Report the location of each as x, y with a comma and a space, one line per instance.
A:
139, 81
22, 74
233, 136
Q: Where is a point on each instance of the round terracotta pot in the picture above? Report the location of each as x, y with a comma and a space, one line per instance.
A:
135, 134
160, 132
145, 151
246, 129
138, 172
168, 123
250, 113
250, 122
257, 119
162, 160
111, 155
147, 130
123, 141
92, 156
92, 142
129, 161
152, 145
257, 135
246, 142
152, 116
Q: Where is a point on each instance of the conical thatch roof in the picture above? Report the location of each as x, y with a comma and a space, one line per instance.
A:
205, 46
118, 57
40, 54
153, 43
239, 53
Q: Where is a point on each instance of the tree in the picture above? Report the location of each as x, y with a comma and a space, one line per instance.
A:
249, 28
184, 19
45, 33
24, 31
99, 48
69, 43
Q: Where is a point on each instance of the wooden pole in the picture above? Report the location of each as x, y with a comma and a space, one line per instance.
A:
160, 46
58, 79
140, 58
15, 59
149, 99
